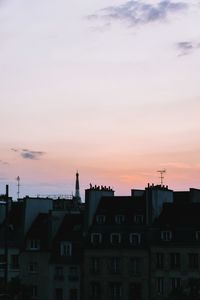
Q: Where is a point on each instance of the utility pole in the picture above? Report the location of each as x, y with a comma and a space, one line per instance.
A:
6, 240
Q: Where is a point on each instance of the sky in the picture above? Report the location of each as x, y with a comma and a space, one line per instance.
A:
108, 88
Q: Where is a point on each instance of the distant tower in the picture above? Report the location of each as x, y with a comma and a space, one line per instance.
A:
77, 192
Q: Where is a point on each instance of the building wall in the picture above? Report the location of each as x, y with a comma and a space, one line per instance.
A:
68, 281
184, 271
13, 270
38, 277
105, 277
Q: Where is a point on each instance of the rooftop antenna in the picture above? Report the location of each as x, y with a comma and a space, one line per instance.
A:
161, 175
18, 186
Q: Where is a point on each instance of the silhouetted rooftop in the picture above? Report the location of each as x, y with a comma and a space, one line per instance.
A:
176, 214
39, 228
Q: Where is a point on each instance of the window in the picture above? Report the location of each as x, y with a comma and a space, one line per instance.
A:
58, 294
115, 290
73, 270
58, 273
159, 260
166, 236
160, 285
2, 261
174, 260
135, 291
34, 291
95, 265
138, 219
96, 238
14, 262
135, 238
135, 266
114, 265
33, 267
73, 273
115, 238
193, 259
100, 219
119, 219
175, 283
95, 291
197, 235
66, 249
73, 294
33, 244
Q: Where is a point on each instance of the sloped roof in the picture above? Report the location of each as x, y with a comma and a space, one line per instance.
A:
15, 225
119, 203
182, 215
70, 228
39, 227
110, 207
181, 197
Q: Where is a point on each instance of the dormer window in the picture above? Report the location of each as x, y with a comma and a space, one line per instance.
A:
66, 249
96, 238
166, 235
33, 244
115, 238
119, 219
197, 235
100, 219
135, 239
138, 219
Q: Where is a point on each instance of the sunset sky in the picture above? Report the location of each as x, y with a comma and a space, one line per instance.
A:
106, 87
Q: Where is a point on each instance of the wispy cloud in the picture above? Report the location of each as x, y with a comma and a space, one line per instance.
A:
179, 165
137, 12
2, 162
29, 154
187, 47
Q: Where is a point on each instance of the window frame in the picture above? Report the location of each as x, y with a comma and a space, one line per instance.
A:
100, 219
113, 235
33, 244
193, 261
132, 240
160, 260
175, 260
160, 285
14, 265
66, 248
119, 219
166, 235
138, 219
93, 239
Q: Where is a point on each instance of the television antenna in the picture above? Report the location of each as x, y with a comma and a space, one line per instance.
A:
18, 186
161, 175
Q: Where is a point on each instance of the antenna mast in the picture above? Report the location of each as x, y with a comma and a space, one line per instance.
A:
161, 175
18, 186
